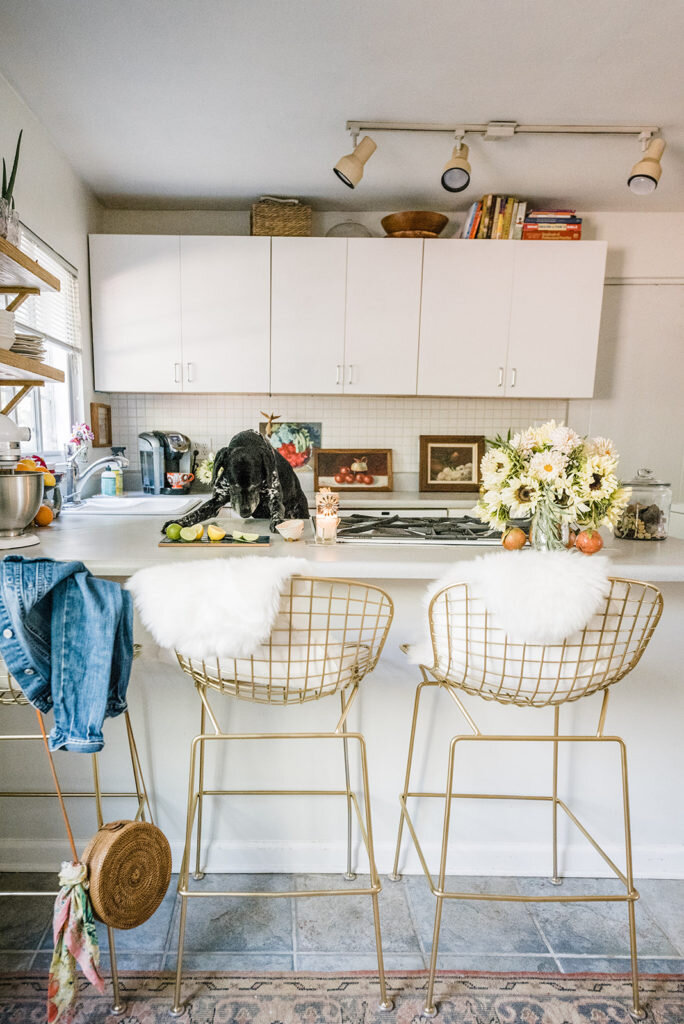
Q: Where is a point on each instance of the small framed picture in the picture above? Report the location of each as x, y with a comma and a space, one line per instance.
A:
101, 424
367, 469
450, 463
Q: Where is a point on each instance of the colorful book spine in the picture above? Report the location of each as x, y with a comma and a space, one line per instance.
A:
508, 214
486, 211
476, 221
519, 220
533, 233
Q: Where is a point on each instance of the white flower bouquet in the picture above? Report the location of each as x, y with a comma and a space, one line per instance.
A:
555, 478
205, 469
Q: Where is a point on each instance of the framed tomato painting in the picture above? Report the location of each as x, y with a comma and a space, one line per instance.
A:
367, 469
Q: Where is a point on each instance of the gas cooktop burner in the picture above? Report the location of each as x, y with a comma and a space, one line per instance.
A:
408, 530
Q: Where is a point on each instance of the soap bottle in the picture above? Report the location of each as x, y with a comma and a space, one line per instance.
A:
118, 474
108, 482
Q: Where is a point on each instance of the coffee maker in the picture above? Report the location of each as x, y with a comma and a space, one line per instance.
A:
162, 452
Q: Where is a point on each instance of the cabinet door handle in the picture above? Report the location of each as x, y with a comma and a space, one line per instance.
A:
176, 373
338, 373
190, 374
500, 384
350, 374
514, 376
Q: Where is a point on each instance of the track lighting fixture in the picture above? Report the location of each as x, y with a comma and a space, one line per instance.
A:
456, 173
349, 168
645, 175
642, 180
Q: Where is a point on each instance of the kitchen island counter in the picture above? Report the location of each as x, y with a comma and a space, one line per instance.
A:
120, 545
489, 838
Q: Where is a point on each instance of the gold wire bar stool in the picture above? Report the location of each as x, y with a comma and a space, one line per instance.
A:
12, 696
327, 636
471, 654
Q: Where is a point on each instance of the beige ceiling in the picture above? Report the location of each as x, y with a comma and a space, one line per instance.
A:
209, 103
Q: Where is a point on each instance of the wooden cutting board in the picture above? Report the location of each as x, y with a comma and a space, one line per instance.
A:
204, 542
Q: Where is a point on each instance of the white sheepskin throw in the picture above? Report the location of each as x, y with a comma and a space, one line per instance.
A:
540, 597
213, 609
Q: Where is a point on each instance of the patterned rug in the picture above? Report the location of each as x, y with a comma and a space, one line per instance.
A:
352, 998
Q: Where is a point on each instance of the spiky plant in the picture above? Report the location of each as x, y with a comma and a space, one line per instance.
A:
8, 186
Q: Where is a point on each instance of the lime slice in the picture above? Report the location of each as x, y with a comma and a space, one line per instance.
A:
173, 531
189, 533
246, 538
215, 532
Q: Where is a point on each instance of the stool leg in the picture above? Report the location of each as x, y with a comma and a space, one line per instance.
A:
386, 1003
395, 876
138, 777
430, 1010
178, 1008
349, 874
555, 877
637, 1012
199, 874
118, 1007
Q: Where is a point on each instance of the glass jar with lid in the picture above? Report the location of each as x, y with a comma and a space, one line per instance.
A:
647, 515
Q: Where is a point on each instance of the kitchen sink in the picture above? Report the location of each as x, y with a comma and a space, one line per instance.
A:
134, 505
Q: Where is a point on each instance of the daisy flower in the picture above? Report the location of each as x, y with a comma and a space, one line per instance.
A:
495, 467
548, 466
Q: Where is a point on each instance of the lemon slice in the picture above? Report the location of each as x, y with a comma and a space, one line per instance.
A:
246, 538
215, 532
189, 533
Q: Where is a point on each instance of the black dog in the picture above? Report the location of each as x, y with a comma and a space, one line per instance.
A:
257, 481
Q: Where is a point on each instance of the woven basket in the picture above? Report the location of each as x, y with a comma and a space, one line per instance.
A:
273, 216
129, 870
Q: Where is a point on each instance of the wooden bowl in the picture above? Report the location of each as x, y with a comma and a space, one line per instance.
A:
415, 220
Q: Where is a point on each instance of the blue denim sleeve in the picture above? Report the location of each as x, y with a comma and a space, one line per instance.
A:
92, 649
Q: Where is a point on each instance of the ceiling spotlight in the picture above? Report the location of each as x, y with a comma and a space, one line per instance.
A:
456, 173
350, 168
645, 175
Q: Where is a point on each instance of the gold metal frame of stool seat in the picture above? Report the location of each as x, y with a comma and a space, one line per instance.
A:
472, 655
12, 696
328, 635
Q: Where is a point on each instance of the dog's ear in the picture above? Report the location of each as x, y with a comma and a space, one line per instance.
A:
221, 461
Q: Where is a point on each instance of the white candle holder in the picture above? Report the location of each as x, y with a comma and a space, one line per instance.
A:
326, 528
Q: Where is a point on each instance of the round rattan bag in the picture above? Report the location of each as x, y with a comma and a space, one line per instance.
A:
129, 870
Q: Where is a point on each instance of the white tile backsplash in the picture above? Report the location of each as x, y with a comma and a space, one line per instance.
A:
364, 422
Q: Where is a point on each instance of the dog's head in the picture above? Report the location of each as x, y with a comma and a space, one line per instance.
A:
242, 472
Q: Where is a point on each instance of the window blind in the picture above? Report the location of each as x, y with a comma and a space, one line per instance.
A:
57, 315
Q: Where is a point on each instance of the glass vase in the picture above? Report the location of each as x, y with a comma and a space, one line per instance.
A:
9, 222
548, 532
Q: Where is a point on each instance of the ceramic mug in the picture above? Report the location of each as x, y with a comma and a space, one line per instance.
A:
178, 480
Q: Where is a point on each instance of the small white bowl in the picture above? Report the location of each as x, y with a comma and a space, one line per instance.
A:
291, 529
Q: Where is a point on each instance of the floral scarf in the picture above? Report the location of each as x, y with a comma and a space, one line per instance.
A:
75, 939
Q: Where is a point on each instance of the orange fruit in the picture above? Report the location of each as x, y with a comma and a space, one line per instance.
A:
44, 516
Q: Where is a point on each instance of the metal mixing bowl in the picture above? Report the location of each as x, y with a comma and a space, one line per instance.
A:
21, 493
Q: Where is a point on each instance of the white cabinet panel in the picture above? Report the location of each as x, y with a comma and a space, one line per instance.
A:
225, 313
135, 290
465, 311
383, 311
555, 316
307, 314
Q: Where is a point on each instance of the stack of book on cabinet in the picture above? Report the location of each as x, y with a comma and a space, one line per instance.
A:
552, 225
495, 217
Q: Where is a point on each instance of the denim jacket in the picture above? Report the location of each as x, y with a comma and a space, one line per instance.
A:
67, 638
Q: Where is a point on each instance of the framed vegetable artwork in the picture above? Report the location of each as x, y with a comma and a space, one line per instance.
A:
294, 440
449, 463
367, 469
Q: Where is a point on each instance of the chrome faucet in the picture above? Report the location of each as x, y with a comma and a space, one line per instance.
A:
77, 477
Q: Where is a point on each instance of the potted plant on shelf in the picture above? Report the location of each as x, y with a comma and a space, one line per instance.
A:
9, 220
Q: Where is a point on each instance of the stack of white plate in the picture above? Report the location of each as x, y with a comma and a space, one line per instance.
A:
6, 329
26, 344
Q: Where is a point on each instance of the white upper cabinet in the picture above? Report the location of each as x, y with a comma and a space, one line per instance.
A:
554, 319
467, 288
383, 311
135, 288
225, 313
308, 285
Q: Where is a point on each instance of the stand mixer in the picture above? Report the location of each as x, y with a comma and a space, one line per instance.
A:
21, 491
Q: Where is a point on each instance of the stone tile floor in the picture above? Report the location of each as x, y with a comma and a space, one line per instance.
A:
332, 933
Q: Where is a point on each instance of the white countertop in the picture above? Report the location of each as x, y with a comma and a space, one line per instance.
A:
120, 545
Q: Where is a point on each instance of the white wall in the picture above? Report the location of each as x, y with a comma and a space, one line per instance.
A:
52, 201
